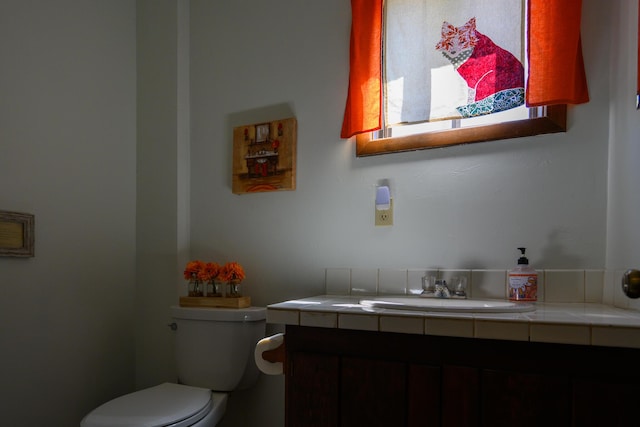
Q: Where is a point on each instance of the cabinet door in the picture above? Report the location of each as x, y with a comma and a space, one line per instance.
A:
519, 399
605, 403
460, 391
424, 396
372, 393
312, 390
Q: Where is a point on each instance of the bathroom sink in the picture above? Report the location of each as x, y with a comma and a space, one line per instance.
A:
450, 305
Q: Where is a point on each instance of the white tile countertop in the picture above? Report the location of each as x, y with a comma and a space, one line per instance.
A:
564, 323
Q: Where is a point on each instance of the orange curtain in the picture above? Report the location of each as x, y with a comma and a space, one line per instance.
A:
364, 99
556, 67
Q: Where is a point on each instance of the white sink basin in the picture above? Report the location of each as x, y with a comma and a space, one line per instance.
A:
451, 305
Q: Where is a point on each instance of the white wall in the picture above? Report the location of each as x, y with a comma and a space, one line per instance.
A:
162, 181
465, 207
67, 155
623, 232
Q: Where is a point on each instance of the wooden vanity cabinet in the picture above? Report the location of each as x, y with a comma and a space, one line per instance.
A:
346, 378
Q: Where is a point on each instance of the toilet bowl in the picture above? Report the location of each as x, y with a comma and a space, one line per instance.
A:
214, 354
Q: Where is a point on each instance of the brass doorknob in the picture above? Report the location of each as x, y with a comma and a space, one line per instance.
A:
631, 283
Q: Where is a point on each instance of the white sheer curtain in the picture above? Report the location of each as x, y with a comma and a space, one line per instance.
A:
420, 83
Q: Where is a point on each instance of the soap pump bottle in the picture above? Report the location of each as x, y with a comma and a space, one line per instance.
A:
523, 280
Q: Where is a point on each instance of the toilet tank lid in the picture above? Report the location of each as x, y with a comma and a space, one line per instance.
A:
249, 314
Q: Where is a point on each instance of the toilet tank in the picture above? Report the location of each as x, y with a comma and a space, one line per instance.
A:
214, 347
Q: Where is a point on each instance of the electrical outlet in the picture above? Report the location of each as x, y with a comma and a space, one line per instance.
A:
384, 217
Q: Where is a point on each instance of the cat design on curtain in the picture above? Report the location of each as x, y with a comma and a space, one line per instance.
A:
494, 76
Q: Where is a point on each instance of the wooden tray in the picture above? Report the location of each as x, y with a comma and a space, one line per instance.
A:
227, 302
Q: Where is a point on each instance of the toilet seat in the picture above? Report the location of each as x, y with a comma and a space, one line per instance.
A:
166, 404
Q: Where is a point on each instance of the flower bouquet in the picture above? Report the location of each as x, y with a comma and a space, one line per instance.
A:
233, 274
194, 272
210, 274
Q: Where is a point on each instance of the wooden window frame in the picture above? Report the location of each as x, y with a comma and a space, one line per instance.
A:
555, 120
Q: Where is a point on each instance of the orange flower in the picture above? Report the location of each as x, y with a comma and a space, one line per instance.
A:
193, 269
210, 271
231, 271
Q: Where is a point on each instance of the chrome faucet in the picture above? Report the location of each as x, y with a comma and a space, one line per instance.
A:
442, 290
432, 288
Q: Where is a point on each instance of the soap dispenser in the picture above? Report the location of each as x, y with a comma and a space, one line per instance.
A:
523, 280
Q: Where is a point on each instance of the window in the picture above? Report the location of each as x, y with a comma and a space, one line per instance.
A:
549, 89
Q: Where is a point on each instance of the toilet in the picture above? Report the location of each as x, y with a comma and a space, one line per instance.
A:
214, 355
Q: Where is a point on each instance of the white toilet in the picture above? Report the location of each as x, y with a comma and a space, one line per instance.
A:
214, 351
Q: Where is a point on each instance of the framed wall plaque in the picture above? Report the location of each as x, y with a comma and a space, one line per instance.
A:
16, 234
264, 157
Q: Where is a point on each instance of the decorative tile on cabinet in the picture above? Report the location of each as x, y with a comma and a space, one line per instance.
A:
283, 317
492, 329
360, 322
608, 285
542, 280
402, 324
563, 286
490, 284
319, 319
615, 336
392, 281
364, 281
449, 327
593, 285
568, 323
634, 304
561, 334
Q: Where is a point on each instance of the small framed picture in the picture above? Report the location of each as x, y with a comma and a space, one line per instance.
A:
263, 160
262, 132
16, 234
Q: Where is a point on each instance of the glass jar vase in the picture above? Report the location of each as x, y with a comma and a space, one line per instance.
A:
214, 288
195, 288
234, 288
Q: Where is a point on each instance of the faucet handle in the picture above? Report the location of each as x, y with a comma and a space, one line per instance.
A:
428, 284
459, 287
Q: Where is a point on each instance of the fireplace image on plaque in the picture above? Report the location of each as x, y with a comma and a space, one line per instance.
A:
264, 157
